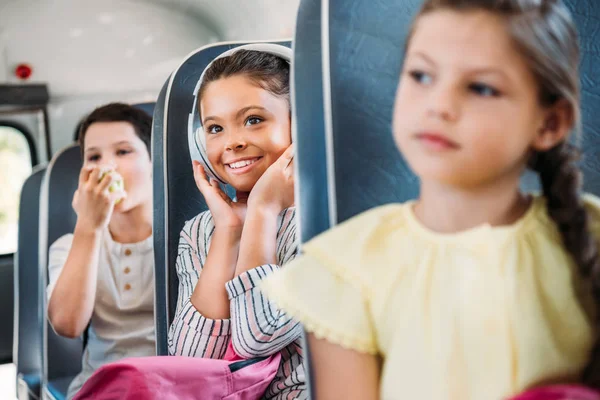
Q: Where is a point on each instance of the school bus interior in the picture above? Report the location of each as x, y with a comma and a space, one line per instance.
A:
60, 59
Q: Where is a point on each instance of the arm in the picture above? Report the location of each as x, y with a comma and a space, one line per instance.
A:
72, 296
192, 334
259, 239
259, 328
210, 296
339, 373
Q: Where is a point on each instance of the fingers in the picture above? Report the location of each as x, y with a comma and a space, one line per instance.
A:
105, 183
289, 152
85, 173
215, 185
75, 201
287, 156
92, 180
288, 171
200, 176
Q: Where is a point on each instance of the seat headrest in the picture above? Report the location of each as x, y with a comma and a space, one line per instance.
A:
197, 140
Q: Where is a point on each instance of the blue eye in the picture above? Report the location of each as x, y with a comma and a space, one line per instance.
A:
484, 90
213, 129
421, 77
253, 120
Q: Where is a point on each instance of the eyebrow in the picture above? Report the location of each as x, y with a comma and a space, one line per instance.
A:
473, 71
423, 56
244, 110
89, 149
240, 112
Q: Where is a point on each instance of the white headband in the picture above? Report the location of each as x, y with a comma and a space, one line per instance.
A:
196, 137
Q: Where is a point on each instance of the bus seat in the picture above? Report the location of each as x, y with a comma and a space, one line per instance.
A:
587, 15
309, 122
161, 276
363, 54
27, 338
146, 107
176, 197
62, 356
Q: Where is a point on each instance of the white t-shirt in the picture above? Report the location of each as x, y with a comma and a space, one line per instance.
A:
122, 323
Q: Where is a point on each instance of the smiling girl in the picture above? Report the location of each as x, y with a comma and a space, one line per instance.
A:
225, 252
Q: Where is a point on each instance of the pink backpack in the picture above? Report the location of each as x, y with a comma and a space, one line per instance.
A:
180, 378
559, 392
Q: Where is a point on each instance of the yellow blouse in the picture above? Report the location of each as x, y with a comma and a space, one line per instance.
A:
481, 314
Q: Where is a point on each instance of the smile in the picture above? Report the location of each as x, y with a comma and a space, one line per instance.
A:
242, 166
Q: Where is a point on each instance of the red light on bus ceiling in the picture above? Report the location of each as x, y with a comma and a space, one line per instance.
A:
23, 71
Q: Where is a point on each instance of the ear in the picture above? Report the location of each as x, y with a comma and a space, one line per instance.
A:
555, 126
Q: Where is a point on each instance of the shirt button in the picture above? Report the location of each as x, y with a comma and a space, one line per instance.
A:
127, 286
127, 252
127, 270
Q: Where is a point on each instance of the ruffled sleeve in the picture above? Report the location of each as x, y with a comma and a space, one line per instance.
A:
327, 303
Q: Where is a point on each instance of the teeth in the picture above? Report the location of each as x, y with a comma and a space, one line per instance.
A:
241, 164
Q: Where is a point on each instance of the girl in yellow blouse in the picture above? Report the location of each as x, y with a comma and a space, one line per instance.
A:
475, 290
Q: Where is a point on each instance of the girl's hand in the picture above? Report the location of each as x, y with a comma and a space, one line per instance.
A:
275, 189
93, 202
226, 213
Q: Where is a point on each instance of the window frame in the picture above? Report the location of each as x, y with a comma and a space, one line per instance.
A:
28, 137
32, 155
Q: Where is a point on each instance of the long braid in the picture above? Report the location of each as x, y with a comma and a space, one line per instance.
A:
561, 184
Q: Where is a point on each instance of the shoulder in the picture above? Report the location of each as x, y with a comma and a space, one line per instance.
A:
287, 221
59, 251
367, 238
199, 223
62, 243
361, 227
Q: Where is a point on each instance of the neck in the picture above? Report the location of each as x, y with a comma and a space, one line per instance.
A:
132, 226
448, 209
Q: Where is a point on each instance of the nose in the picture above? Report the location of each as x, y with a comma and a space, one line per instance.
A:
236, 141
444, 104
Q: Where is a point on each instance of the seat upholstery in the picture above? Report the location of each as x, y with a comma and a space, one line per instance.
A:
364, 44
176, 197
587, 15
62, 356
58, 388
27, 339
161, 277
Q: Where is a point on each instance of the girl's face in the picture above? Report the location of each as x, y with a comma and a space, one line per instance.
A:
247, 128
467, 110
116, 143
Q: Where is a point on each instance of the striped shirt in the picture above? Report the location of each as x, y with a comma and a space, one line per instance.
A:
256, 328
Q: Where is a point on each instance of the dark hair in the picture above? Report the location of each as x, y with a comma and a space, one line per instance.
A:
268, 71
119, 112
545, 34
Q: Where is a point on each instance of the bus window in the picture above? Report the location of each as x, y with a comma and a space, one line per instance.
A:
15, 167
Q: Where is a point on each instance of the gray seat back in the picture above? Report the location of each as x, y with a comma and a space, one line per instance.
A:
62, 356
27, 338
